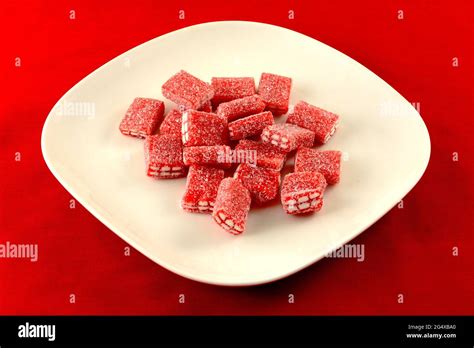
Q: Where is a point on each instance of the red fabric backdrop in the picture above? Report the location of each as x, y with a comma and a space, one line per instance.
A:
409, 251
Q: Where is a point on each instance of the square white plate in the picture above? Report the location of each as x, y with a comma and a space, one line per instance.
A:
385, 143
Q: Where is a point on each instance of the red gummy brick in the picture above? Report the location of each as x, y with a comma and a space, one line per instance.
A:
250, 125
261, 154
232, 206
187, 91
287, 137
239, 108
230, 88
172, 123
303, 192
262, 183
327, 163
323, 123
201, 189
142, 117
207, 107
275, 91
203, 129
215, 155
164, 156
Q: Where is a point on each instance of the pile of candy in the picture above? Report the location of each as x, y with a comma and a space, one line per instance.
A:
223, 137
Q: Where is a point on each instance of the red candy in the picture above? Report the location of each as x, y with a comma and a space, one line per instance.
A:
172, 123
287, 137
327, 163
239, 108
303, 192
164, 156
323, 123
215, 155
201, 129
207, 107
275, 91
201, 189
230, 88
250, 125
232, 206
265, 155
262, 183
192, 136
187, 91
142, 117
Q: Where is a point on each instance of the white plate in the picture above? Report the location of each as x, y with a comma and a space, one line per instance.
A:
385, 141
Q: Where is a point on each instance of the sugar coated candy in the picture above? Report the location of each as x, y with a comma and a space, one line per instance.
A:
326, 162
187, 91
230, 88
262, 183
214, 126
275, 92
302, 192
207, 107
214, 155
239, 108
323, 123
250, 125
287, 137
142, 117
201, 189
164, 156
261, 154
172, 123
202, 129
232, 206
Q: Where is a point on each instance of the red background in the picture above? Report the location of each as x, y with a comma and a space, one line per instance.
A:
409, 251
